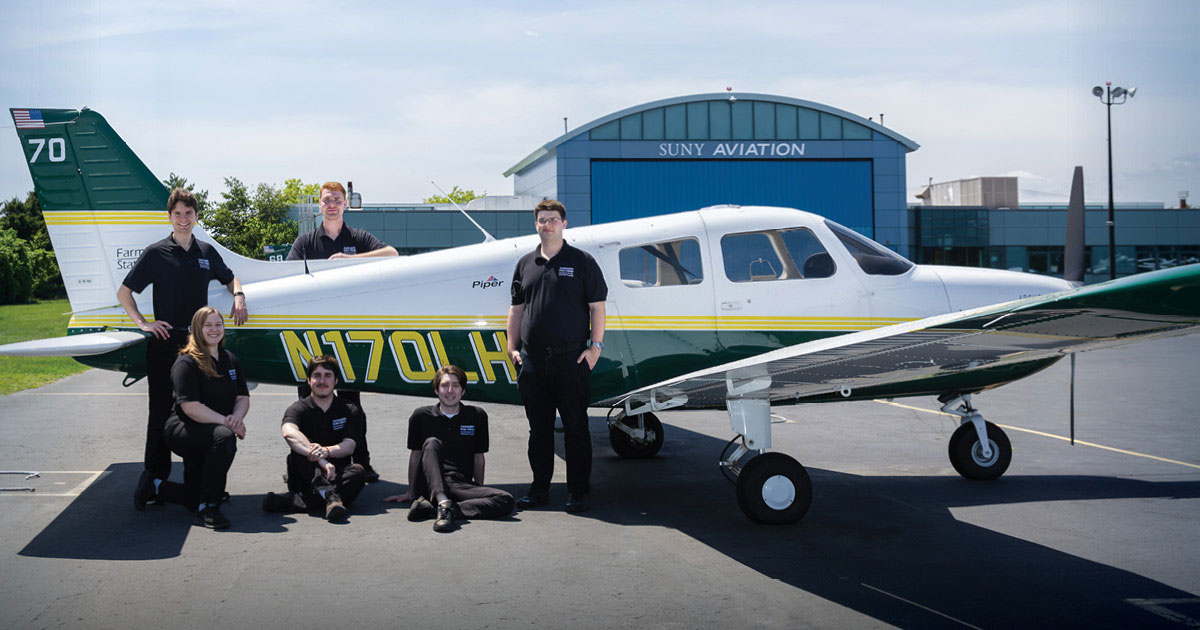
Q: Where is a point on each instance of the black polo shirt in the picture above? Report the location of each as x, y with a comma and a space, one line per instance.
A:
556, 294
462, 436
327, 427
219, 394
316, 245
180, 277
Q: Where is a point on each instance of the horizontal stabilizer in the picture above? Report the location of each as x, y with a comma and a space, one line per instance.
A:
74, 345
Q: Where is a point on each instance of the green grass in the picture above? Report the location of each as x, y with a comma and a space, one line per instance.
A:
22, 322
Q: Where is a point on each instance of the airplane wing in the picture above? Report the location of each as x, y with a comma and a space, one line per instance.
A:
74, 345
971, 350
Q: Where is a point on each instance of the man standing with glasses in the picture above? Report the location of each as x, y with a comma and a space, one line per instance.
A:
557, 314
334, 239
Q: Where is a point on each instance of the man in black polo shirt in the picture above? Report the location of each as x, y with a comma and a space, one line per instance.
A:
322, 430
334, 239
557, 314
448, 441
180, 268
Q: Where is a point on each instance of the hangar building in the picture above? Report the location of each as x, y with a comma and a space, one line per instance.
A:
700, 150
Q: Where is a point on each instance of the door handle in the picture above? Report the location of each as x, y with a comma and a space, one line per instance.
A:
730, 306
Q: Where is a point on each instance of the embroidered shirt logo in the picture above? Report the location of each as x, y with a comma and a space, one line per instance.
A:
232, 374
466, 429
351, 249
339, 424
203, 262
566, 272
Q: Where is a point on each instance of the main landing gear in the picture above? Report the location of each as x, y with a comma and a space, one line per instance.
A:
772, 488
979, 450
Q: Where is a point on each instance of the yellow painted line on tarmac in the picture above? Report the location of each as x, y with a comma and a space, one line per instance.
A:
1051, 435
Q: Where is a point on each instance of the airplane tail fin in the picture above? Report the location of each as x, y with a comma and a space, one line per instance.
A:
102, 208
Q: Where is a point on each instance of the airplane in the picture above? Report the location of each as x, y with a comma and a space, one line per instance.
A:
727, 306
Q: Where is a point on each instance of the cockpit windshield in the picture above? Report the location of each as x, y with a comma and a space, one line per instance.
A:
875, 259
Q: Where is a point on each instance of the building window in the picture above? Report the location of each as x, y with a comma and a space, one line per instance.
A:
718, 120
785, 122
854, 131
743, 120
670, 263
607, 131
652, 124
764, 121
775, 255
697, 114
808, 124
631, 127
831, 127
676, 122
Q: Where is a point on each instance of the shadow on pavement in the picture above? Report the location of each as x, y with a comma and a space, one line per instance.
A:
895, 534
101, 523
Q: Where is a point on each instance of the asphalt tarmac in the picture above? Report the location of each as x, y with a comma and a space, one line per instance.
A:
1100, 534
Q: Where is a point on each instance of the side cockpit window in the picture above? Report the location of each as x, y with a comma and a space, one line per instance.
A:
775, 255
670, 263
875, 259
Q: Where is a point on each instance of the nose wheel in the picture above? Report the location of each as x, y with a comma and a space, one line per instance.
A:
635, 437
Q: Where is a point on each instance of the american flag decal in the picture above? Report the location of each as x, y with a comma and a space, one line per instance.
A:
28, 119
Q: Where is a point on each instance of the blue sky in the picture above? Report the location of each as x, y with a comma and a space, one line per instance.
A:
393, 95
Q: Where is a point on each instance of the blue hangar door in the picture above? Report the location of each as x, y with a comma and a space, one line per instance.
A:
630, 189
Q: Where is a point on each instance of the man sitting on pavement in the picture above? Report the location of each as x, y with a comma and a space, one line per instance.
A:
322, 431
448, 441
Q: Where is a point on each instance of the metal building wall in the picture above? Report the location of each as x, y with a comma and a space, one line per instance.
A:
839, 189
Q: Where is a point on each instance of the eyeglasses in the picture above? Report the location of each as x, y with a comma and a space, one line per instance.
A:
548, 220
332, 201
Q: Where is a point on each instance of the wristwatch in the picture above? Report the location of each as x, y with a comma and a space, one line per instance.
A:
598, 344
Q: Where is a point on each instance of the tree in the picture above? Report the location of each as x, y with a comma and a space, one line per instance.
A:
174, 181
293, 189
16, 271
25, 218
245, 221
457, 195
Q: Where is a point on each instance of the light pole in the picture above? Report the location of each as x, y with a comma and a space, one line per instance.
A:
1109, 95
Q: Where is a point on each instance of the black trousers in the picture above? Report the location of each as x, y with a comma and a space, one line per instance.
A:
160, 356
362, 455
549, 382
306, 481
474, 500
207, 451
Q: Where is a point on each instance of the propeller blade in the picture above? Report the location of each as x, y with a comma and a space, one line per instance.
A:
1073, 259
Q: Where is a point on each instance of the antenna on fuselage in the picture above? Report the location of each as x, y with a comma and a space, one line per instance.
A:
487, 238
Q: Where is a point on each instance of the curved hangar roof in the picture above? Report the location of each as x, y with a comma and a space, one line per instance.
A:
724, 116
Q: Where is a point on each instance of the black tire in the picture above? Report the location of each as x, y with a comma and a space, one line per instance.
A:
966, 457
628, 448
763, 490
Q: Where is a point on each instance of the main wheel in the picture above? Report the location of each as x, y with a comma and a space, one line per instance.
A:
966, 453
629, 448
774, 489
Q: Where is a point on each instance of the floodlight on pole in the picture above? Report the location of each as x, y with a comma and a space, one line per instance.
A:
1110, 96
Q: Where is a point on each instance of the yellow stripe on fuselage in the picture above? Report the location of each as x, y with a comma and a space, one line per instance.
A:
101, 217
466, 322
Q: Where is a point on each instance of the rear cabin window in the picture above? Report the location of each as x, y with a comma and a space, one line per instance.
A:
875, 259
671, 263
775, 255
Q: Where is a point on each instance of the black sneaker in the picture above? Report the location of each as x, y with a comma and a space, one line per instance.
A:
445, 517
532, 500
145, 494
421, 509
212, 518
577, 502
370, 475
278, 503
334, 510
